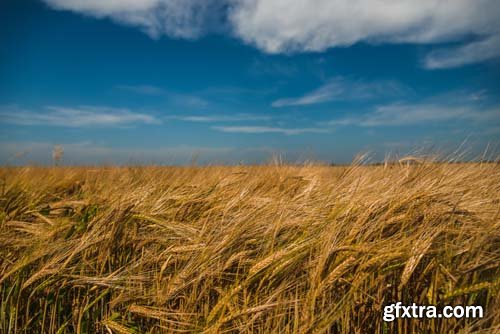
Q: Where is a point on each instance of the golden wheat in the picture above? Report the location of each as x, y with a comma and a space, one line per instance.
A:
257, 249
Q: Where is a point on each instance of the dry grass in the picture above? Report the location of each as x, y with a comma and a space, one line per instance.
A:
268, 249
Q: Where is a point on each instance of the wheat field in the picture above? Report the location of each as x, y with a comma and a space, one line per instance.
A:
247, 249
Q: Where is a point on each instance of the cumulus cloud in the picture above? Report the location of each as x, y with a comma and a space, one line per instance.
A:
84, 116
341, 89
277, 26
281, 25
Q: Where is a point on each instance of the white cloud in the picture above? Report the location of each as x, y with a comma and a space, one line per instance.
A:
466, 54
276, 26
219, 118
176, 18
83, 116
340, 89
282, 25
143, 89
180, 99
268, 129
424, 113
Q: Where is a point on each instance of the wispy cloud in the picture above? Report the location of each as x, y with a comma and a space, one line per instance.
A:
342, 89
408, 114
268, 129
219, 118
181, 19
266, 67
143, 89
474, 52
83, 116
176, 98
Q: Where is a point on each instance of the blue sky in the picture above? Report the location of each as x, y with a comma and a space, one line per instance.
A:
164, 81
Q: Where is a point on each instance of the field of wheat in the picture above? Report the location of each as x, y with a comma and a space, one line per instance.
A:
247, 249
